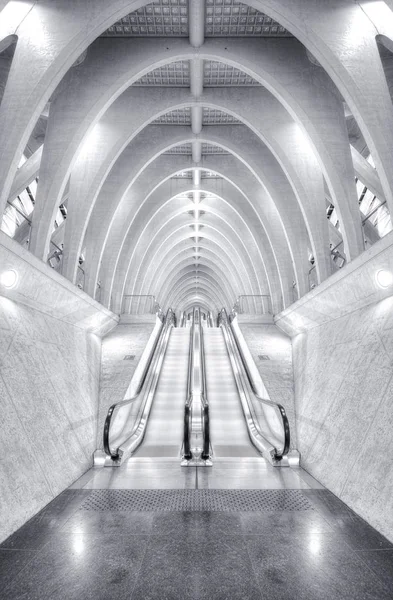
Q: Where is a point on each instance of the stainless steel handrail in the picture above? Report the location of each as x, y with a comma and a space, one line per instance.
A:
202, 393
204, 401
187, 453
224, 322
158, 351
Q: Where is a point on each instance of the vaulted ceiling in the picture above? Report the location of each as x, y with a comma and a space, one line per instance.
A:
196, 151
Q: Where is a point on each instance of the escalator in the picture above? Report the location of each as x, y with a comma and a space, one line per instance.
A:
244, 422
164, 432
228, 430
150, 422
197, 400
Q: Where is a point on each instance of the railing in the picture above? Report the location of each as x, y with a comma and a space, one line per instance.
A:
259, 304
271, 437
55, 256
312, 278
133, 304
80, 278
126, 421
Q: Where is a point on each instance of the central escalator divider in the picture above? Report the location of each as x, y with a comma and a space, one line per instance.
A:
196, 440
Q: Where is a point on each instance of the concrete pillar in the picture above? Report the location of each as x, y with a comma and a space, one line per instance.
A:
196, 11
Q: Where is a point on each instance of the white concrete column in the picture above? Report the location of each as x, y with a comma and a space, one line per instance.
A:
196, 77
196, 19
196, 119
25, 174
197, 38
196, 151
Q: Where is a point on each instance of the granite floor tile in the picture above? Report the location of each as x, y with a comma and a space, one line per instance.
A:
63, 506
66, 552
81, 566
11, 563
381, 563
33, 535
116, 522
271, 523
358, 534
312, 567
167, 570
224, 570
175, 524
328, 504
216, 524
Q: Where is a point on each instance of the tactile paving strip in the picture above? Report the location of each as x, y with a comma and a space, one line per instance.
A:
196, 500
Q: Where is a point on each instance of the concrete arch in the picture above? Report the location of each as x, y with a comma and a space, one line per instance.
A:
204, 271
306, 24
306, 184
188, 289
204, 282
270, 217
278, 197
191, 305
340, 151
132, 198
178, 231
176, 243
173, 259
181, 252
190, 300
142, 258
175, 207
190, 294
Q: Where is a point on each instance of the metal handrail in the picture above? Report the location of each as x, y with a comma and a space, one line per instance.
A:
155, 306
187, 453
238, 303
223, 321
167, 322
204, 400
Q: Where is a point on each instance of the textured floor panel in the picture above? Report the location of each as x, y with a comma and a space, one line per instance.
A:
197, 500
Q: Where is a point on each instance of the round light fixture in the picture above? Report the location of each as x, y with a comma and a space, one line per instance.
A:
384, 278
9, 278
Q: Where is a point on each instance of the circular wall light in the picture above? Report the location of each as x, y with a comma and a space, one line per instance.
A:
9, 278
384, 278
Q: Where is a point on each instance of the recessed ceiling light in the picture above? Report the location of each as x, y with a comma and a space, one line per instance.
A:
9, 278
384, 278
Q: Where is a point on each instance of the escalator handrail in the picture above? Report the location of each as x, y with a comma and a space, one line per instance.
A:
224, 321
168, 321
204, 400
187, 454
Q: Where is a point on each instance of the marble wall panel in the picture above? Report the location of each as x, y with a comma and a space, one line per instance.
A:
49, 389
350, 289
49, 293
344, 409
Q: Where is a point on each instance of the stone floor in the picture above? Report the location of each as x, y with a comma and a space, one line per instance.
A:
69, 551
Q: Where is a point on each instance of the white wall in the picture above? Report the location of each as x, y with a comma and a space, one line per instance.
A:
342, 338
49, 382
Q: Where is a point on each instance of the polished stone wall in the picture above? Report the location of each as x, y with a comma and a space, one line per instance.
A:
342, 338
344, 390
50, 352
49, 376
